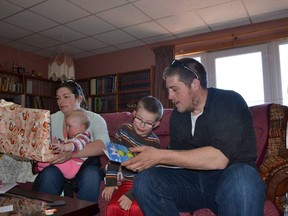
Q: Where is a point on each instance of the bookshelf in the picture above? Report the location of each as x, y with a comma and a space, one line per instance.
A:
132, 86
28, 91
118, 92
12, 87
40, 93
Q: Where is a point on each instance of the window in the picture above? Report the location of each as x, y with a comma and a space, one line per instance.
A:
251, 71
243, 74
283, 56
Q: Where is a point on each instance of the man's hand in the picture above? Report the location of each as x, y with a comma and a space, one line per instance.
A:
61, 158
146, 156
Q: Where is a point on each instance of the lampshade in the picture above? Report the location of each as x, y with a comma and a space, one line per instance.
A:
61, 67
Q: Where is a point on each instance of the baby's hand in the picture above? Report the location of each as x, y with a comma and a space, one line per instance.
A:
58, 148
108, 192
54, 141
124, 202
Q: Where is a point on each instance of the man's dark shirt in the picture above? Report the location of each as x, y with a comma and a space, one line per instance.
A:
226, 124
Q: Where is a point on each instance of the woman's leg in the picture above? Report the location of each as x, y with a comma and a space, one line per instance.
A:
241, 191
88, 181
50, 180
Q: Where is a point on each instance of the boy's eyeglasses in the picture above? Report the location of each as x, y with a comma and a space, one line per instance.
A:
146, 124
176, 63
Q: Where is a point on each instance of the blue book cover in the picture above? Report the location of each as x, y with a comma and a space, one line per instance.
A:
118, 153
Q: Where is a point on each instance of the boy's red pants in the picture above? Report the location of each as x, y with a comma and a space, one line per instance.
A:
113, 208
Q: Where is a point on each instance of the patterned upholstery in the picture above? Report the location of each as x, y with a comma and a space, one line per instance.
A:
274, 169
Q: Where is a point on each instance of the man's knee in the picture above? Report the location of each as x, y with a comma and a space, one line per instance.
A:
242, 174
241, 180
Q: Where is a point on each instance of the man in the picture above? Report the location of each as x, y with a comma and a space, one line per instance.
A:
213, 141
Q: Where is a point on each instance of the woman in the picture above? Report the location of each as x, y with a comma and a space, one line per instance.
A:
87, 181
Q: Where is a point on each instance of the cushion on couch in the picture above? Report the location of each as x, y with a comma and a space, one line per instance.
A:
162, 131
114, 120
260, 114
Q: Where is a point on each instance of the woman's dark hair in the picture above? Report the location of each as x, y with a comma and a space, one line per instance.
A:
75, 89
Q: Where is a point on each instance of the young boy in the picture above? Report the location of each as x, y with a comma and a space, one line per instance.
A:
77, 122
147, 116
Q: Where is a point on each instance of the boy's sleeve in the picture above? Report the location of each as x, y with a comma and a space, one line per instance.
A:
111, 173
130, 195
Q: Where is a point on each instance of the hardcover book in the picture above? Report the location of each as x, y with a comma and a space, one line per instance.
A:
118, 153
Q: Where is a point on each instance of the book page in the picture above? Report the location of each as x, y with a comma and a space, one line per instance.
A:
118, 153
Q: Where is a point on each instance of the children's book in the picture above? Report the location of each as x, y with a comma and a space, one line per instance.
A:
117, 152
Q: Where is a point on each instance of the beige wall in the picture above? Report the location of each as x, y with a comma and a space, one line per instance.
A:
123, 61
117, 62
24, 59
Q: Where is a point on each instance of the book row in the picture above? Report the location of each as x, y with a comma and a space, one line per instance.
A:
34, 102
10, 85
103, 85
41, 88
102, 104
129, 101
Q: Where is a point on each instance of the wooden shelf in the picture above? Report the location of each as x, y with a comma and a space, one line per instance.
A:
118, 92
29, 88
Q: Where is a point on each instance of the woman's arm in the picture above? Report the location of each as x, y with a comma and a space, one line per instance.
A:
99, 133
94, 148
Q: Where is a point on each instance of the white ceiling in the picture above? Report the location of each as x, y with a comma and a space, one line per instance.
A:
84, 28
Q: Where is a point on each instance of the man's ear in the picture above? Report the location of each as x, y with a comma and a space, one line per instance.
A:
195, 84
134, 113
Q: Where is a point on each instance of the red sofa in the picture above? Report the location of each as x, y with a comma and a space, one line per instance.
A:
261, 118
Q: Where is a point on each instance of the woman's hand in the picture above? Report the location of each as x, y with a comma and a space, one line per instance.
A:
108, 192
146, 156
61, 157
125, 203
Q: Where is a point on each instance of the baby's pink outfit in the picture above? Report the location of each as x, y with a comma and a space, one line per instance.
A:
71, 167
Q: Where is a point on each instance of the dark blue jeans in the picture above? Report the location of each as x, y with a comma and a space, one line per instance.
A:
51, 181
237, 190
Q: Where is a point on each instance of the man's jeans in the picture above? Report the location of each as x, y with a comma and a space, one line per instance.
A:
237, 190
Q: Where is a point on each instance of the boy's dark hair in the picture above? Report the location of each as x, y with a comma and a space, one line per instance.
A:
151, 104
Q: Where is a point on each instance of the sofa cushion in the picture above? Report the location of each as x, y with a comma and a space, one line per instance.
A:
260, 114
114, 120
162, 131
